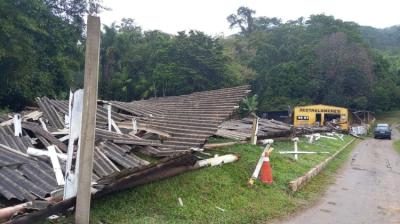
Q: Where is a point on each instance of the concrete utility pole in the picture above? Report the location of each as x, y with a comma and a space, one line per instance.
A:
88, 128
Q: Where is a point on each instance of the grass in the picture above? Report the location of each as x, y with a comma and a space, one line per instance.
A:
204, 190
390, 117
4, 111
397, 145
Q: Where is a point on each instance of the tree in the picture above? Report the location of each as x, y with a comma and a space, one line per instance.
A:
318, 60
242, 19
151, 64
39, 54
248, 105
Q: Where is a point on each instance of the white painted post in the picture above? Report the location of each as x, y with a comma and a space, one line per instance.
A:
75, 121
134, 125
17, 125
310, 138
109, 116
256, 171
115, 126
67, 118
295, 140
43, 124
88, 120
56, 165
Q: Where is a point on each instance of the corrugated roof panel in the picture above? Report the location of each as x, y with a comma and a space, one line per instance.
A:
6, 130
50, 112
40, 177
123, 151
26, 184
8, 157
102, 166
120, 158
11, 189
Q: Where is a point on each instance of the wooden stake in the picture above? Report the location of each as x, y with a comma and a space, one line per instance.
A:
254, 130
88, 120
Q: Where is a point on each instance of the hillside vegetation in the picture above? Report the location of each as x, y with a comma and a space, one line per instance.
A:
318, 59
387, 39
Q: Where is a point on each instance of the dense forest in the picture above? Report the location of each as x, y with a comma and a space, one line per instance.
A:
318, 59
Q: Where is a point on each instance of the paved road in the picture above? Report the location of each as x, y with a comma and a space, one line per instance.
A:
367, 189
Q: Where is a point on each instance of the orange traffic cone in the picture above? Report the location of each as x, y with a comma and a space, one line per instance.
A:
266, 171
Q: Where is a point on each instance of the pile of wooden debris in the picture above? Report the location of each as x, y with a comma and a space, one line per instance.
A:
241, 129
136, 142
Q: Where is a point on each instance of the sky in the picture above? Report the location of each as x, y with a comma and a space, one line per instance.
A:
209, 16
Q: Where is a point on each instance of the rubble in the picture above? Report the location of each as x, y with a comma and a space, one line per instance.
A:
166, 129
241, 129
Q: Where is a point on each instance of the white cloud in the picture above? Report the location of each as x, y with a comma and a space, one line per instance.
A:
209, 16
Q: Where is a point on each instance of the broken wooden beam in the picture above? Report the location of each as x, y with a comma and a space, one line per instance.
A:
220, 145
36, 129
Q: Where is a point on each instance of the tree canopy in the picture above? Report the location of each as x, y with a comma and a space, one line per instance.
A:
318, 59
138, 65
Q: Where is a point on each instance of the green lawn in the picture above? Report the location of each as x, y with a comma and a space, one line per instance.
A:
4, 111
391, 117
204, 190
397, 145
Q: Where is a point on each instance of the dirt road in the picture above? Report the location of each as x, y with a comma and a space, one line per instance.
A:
366, 190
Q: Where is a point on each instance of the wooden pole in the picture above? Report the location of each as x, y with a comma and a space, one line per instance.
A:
254, 130
88, 120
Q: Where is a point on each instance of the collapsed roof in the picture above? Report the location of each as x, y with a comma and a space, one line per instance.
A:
167, 127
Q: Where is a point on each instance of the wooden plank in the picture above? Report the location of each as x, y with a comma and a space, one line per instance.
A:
88, 120
35, 128
109, 116
56, 165
115, 126
146, 128
220, 145
75, 121
143, 142
254, 130
236, 135
43, 124
298, 183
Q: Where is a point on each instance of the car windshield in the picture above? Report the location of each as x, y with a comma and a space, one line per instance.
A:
381, 128
382, 125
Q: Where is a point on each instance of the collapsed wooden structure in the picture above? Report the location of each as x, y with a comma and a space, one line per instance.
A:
151, 139
241, 129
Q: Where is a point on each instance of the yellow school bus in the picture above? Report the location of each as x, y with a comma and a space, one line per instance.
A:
319, 115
